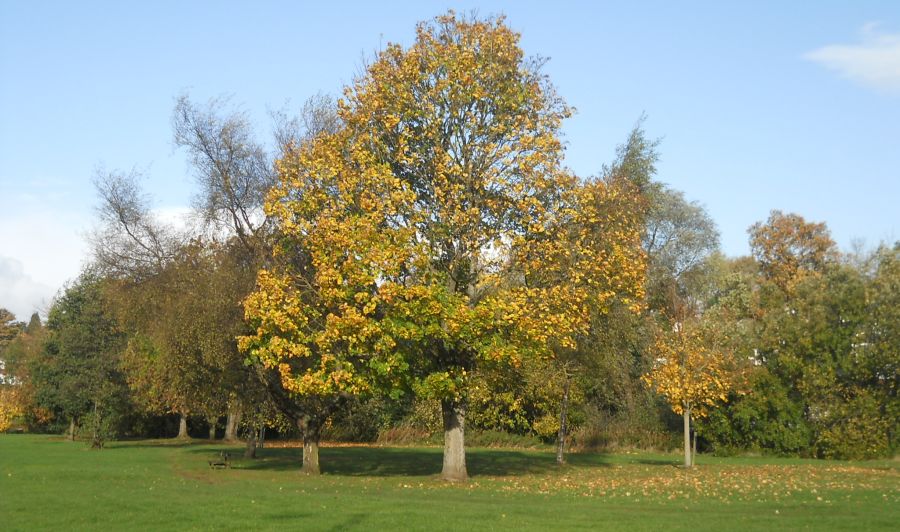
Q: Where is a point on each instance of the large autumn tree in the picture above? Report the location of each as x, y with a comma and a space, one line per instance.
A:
398, 228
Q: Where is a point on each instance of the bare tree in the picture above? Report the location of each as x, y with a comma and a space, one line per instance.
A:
130, 241
232, 169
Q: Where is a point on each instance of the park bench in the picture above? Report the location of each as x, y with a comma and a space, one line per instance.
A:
221, 462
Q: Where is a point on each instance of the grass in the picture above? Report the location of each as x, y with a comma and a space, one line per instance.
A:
49, 483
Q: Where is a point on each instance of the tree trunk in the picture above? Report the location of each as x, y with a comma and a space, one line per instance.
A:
694, 450
96, 442
212, 420
262, 436
561, 436
72, 429
231, 425
454, 413
250, 450
687, 436
309, 427
182, 427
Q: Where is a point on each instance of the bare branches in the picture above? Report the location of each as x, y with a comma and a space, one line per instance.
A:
232, 169
130, 242
318, 115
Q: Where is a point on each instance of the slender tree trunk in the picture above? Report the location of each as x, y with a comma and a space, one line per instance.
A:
212, 420
72, 429
182, 427
694, 450
250, 450
231, 425
310, 429
561, 436
454, 413
95, 430
687, 436
262, 435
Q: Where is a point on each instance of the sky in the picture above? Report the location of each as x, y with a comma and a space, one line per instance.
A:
759, 105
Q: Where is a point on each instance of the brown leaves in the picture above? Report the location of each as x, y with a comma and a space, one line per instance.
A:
789, 248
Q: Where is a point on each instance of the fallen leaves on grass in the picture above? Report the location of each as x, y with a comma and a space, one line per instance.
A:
772, 483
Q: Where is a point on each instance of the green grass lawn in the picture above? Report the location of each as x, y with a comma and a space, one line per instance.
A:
49, 483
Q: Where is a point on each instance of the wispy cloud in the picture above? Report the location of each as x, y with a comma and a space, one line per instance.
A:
873, 62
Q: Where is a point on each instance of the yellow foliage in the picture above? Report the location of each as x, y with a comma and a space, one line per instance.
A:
11, 406
406, 234
688, 373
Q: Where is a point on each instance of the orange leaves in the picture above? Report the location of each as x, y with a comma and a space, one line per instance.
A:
789, 248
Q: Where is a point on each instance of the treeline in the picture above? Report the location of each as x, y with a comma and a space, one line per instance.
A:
414, 259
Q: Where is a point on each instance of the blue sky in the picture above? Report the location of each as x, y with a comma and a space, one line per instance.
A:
760, 105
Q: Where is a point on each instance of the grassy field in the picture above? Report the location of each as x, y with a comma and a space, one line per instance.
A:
48, 483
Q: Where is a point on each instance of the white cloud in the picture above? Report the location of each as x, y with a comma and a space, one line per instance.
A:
874, 62
42, 248
19, 293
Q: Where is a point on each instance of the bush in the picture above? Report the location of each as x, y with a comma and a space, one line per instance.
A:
858, 430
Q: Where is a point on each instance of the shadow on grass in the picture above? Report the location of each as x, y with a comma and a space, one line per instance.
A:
393, 461
174, 443
657, 461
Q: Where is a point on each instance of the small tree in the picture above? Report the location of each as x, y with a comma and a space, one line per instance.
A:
692, 376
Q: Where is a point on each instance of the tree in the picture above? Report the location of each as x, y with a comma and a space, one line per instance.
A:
77, 375
232, 169
16, 356
880, 353
449, 151
11, 403
11, 406
9, 327
788, 248
234, 174
183, 357
179, 292
131, 243
575, 271
34, 324
679, 239
691, 375
813, 339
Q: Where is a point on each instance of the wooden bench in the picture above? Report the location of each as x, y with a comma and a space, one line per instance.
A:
221, 462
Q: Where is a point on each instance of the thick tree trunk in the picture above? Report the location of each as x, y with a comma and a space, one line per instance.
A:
231, 425
310, 429
687, 436
454, 413
212, 420
563, 428
182, 427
